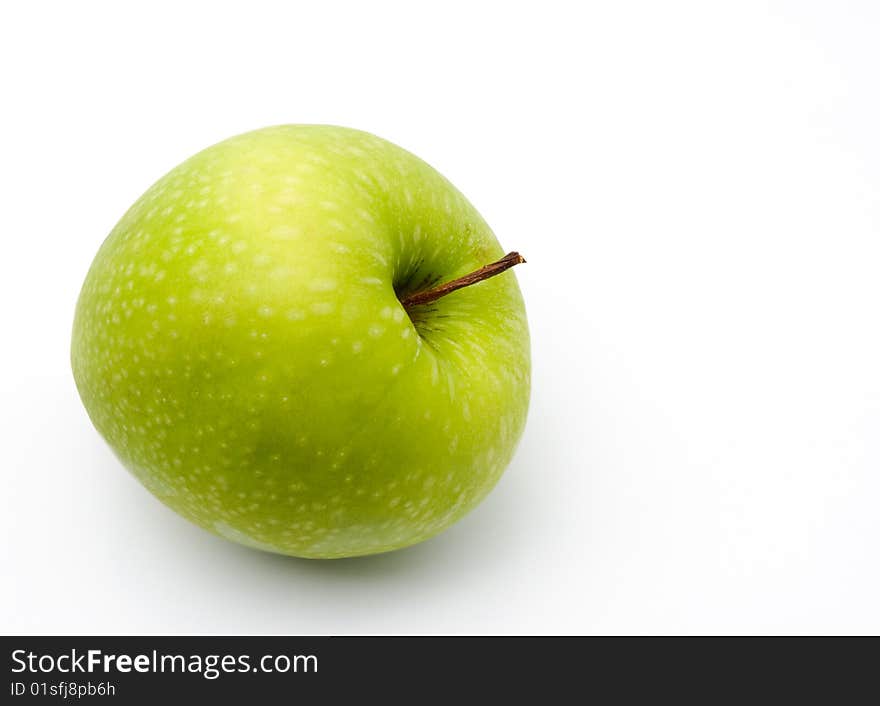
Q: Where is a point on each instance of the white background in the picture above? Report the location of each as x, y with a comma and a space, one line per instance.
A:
696, 187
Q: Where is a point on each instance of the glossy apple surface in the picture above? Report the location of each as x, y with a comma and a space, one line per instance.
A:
241, 344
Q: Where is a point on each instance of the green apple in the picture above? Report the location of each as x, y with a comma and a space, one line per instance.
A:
269, 341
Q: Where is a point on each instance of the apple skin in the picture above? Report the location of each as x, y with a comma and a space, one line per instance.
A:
240, 344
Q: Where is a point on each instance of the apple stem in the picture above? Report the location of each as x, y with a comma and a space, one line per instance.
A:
441, 290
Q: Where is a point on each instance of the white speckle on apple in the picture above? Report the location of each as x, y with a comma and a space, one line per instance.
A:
450, 385
285, 232
322, 284
322, 308
281, 273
